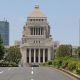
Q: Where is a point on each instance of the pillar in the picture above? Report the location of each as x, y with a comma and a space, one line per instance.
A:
29, 55
34, 55
43, 55
49, 55
40, 30
39, 56
33, 30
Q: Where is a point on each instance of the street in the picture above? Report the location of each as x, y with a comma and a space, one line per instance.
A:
32, 73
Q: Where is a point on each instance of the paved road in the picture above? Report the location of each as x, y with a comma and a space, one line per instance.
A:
29, 73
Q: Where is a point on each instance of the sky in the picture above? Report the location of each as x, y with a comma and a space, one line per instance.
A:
63, 17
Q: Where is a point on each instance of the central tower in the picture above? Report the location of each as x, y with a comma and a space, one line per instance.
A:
37, 44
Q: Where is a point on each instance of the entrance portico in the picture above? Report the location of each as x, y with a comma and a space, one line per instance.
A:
34, 55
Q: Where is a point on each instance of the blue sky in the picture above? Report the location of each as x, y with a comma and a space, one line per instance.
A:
63, 17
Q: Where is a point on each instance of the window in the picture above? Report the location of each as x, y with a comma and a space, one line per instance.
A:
36, 19
33, 19
42, 19
34, 41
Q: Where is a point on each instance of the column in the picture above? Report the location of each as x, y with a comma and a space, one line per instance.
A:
43, 55
34, 55
36, 31
40, 30
33, 30
49, 55
26, 55
44, 31
39, 56
29, 55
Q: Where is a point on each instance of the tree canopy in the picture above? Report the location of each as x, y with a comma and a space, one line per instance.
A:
13, 55
64, 50
78, 51
2, 49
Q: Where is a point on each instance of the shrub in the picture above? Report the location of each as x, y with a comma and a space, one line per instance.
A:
64, 64
7, 64
65, 61
57, 63
49, 62
44, 64
72, 65
78, 68
12, 64
4, 64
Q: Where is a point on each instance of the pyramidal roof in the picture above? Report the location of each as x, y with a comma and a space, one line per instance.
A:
37, 12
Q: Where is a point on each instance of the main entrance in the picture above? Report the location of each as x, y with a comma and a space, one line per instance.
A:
37, 55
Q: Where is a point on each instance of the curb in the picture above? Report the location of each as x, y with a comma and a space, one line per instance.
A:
70, 73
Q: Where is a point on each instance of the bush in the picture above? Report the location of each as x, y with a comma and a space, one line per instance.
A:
78, 68
64, 64
44, 64
12, 64
65, 61
69, 63
7, 64
4, 64
57, 63
49, 62
72, 65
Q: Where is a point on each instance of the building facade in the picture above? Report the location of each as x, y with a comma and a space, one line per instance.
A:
37, 44
4, 31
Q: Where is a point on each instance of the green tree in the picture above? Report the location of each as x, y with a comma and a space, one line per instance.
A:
78, 51
2, 49
13, 55
64, 50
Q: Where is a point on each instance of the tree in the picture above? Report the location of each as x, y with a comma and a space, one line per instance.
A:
13, 55
78, 51
2, 49
64, 50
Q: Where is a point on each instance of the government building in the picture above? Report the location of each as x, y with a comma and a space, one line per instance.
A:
37, 44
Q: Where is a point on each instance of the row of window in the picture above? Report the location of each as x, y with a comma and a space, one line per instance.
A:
37, 19
36, 41
25, 41
37, 31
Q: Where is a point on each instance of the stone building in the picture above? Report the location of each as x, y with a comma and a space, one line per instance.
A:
37, 44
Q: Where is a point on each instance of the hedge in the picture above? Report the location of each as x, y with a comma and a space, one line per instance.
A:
69, 63
7, 64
